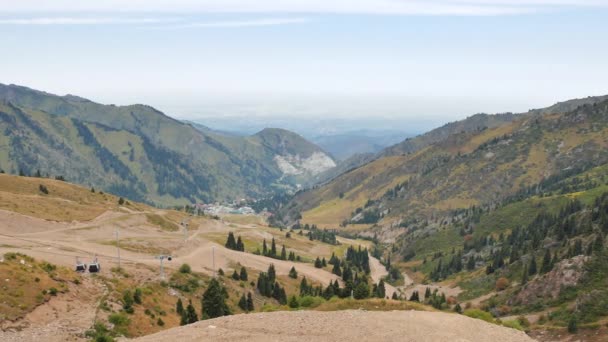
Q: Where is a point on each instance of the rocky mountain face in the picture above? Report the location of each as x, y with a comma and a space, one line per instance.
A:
139, 152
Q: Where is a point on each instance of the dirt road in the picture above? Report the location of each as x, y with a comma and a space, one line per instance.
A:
351, 325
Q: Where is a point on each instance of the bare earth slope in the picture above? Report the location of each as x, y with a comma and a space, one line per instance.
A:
351, 325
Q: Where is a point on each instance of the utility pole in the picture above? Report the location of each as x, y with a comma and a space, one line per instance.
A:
162, 269
117, 248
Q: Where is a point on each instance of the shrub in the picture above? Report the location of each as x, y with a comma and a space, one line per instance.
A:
479, 314
185, 268
502, 283
53, 291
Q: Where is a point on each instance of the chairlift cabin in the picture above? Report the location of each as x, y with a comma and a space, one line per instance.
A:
80, 267
94, 267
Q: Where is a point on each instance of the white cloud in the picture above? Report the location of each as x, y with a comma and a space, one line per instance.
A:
83, 21
395, 7
240, 23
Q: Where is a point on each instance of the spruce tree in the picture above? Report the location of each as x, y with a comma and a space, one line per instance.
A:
264, 248
240, 246
323, 262
214, 301
243, 303
179, 306
532, 269
293, 273
318, 263
230, 242
273, 248
381, 290
546, 265
250, 306
336, 270
191, 316
272, 274
243, 274
235, 275
283, 253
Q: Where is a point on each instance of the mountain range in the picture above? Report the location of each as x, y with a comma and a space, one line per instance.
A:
139, 152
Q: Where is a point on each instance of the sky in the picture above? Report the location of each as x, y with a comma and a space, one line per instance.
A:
433, 60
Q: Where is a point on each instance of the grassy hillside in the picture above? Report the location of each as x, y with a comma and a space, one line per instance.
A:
469, 168
138, 152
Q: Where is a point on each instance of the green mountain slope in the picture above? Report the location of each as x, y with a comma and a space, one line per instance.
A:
139, 152
467, 168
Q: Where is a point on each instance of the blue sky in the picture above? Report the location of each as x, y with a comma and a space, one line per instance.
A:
438, 59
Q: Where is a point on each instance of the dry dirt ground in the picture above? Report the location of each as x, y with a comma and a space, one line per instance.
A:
64, 318
351, 325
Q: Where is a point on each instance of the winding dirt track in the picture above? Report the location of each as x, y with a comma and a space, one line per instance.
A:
351, 325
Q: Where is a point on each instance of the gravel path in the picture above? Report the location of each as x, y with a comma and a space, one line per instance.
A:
351, 325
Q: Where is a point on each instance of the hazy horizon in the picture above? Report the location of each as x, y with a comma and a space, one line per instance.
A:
421, 62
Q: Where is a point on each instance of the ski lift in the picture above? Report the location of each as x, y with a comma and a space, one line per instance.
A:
94, 267
80, 267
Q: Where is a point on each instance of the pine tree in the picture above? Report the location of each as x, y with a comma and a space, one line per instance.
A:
179, 306
250, 306
231, 242
243, 276
381, 290
191, 316
243, 303
532, 269
336, 270
283, 253
235, 275
546, 265
264, 248
273, 248
304, 290
214, 301
395, 297
323, 262
361, 291
458, 308
318, 263
272, 274
293, 273
427, 293
240, 246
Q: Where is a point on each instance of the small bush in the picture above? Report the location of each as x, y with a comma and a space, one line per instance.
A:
479, 314
53, 291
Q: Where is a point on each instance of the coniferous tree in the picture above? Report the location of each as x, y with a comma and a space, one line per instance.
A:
264, 248
427, 293
240, 246
304, 289
395, 297
532, 269
243, 303
283, 253
323, 262
361, 291
214, 301
243, 276
235, 275
250, 306
179, 306
458, 308
230, 242
381, 290
336, 270
293, 273
272, 274
191, 316
524, 278
546, 265
318, 263
273, 248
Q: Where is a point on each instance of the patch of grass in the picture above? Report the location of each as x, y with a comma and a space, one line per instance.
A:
162, 222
